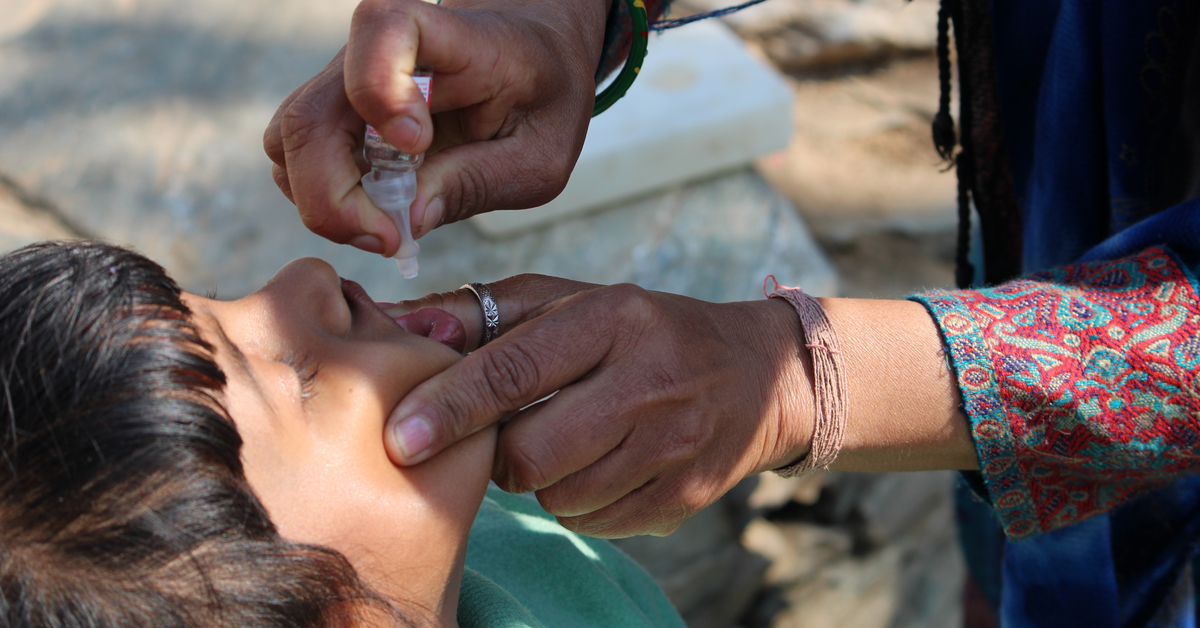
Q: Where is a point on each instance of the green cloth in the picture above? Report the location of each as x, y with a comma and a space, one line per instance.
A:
525, 570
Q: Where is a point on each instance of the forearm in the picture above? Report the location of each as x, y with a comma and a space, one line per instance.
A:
903, 405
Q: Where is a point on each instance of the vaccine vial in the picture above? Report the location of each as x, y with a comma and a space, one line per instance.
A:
392, 182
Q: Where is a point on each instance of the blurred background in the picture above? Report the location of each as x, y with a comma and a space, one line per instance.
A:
791, 138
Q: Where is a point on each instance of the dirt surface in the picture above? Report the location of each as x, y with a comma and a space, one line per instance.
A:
892, 264
862, 171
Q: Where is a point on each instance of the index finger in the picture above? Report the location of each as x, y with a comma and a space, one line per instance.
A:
319, 133
519, 298
525, 364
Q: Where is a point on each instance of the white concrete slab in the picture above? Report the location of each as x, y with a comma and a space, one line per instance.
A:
701, 104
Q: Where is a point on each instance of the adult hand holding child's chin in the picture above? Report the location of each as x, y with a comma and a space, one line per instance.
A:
663, 402
511, 99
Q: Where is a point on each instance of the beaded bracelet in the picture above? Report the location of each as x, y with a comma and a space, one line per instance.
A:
633, 63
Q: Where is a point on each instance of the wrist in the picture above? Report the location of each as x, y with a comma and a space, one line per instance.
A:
905, 406
787, 381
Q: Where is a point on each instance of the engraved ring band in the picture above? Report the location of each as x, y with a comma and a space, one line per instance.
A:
491, 312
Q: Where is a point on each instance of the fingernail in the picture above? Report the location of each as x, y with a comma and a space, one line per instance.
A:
403, 131
412, 435
433, 215
368, 243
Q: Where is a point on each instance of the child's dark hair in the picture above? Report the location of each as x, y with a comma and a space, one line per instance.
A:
122, 496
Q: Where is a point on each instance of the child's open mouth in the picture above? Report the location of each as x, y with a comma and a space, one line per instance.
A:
435, 324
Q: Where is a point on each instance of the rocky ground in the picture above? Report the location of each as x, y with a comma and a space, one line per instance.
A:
862, 171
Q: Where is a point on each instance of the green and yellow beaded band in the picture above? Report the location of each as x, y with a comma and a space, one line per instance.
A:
633, 63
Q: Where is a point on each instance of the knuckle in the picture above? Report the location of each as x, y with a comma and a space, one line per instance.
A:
370, 91
690, 500
377, 21
553, 499
433, 299
680, 500
557, 166
547, 177
526, 281
528, 467
567, 496
369, 11
661, 521
321, 221
594, 524
504, 479
510, 374
273, 142
454, 417
471, 187
300, 124
633, 306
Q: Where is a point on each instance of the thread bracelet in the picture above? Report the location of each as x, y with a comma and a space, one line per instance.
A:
830, 401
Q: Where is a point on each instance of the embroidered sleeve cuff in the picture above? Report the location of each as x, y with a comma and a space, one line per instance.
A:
1080, 384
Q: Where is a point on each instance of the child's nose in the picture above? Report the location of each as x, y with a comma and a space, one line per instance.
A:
309, 291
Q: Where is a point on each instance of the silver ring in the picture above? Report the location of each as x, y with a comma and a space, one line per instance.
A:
491, 311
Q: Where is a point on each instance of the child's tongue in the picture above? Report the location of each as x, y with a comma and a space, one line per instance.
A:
435, 324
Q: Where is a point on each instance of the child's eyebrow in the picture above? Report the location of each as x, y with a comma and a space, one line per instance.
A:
239, 358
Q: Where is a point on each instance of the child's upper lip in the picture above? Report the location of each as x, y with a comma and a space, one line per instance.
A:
433, 323
355, 292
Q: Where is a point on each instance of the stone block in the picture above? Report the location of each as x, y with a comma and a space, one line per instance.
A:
714, 240
933, 572
701, 567
23, 222
860, 592
141, 121
887, 556
722, 608
796, 551
896, 25
774, 490
896, 502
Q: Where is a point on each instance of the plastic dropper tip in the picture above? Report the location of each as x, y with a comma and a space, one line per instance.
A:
408, 266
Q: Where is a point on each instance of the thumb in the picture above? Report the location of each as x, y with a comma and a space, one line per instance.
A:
512, 172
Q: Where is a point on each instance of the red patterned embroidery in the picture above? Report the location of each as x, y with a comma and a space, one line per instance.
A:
1081, 384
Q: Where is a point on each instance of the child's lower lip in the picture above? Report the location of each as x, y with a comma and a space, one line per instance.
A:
435, 324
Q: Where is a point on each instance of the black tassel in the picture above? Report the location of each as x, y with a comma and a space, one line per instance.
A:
944, 137
944, 140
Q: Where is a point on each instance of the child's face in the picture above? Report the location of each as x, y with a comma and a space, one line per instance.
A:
314, 369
